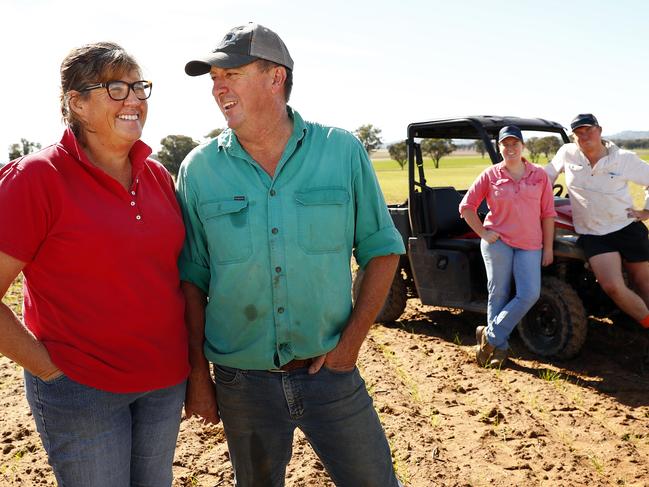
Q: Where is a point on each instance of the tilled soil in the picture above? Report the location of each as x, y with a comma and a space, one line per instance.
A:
449, 422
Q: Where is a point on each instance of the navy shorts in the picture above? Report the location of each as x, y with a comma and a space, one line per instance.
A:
632, 242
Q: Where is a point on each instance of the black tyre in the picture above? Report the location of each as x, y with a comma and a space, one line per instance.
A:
395, 302
557, 324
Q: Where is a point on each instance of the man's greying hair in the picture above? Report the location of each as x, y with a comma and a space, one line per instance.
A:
92, 63
265, 65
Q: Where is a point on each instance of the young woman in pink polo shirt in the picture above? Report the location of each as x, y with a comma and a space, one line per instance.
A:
93, 224
516, 239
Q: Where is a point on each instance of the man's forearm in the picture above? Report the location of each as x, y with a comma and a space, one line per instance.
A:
200, 399
196, 301
551, 171
378, 277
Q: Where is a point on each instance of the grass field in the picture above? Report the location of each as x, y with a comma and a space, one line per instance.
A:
456, 170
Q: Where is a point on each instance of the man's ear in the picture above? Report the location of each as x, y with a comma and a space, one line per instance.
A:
279, 78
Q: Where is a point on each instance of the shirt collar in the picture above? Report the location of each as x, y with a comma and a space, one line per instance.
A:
228, 140
500, 167
138, 153
611, 149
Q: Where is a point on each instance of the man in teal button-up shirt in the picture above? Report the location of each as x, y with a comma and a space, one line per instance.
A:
274, 208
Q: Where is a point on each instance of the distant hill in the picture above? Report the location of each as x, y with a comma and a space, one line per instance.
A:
629, 135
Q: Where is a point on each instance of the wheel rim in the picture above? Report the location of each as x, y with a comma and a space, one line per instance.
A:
542, 326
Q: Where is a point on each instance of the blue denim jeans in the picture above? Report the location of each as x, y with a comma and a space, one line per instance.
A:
102, 439
503, 262
260, 411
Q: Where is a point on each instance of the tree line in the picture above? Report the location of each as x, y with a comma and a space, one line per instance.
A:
632, 144
438, 148
174, 148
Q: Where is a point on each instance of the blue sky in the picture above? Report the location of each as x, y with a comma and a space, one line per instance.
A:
356, 62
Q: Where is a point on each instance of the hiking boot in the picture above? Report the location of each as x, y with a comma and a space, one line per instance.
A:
486, 354
498, 358
483, 349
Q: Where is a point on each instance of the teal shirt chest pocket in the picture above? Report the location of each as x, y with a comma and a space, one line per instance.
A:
227, 226
322, 215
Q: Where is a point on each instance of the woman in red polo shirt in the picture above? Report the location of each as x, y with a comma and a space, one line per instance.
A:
516, 239
93, 225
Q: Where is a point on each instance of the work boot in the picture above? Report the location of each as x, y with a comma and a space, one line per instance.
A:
498, 358
483, 350
486, 354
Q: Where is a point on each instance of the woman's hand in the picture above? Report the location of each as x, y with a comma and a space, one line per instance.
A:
490, 236
548, 257
51, 375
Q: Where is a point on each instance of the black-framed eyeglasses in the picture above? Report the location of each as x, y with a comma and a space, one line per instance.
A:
118, 90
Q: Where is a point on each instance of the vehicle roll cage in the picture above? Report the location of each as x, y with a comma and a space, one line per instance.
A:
484, 128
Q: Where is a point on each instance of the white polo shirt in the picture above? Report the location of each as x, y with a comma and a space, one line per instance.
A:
600, 195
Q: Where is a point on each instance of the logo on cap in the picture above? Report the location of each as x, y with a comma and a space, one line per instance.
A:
229, 39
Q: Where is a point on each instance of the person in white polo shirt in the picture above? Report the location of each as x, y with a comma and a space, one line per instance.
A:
611, 230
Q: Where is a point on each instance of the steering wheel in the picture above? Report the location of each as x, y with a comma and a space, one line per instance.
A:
557, 189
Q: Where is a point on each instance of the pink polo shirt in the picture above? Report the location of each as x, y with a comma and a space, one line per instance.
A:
102, 290
516, 207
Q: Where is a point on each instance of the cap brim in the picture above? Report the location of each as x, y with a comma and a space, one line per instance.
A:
506, 136
218, 59
583, 125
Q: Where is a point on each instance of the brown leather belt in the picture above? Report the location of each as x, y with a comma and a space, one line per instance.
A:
292, 365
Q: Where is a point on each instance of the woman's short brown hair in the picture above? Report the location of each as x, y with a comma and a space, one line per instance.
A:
92, 63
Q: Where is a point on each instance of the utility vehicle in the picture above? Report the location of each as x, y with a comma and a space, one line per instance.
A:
443, 265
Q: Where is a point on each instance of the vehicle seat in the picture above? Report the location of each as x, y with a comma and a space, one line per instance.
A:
442, 205
445, 208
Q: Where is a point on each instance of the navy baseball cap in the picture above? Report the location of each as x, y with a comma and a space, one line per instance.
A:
510, 131
243, 45
583, 119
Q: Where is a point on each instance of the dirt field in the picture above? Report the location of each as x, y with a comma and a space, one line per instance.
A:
581, 422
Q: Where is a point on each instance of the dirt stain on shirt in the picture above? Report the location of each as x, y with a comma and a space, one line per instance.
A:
251, 312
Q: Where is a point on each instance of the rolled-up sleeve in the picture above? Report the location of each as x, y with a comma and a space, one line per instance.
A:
194, 259
475, 194
374, 231
636, 170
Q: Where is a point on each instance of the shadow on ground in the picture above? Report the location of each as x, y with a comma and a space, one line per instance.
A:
614, 360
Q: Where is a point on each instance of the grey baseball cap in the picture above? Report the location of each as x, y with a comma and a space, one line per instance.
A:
243, 45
